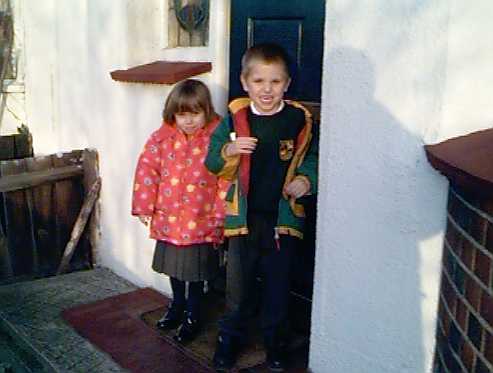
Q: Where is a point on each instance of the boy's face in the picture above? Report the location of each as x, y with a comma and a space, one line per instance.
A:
266, 84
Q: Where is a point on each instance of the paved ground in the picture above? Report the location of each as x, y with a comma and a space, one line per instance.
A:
33, 336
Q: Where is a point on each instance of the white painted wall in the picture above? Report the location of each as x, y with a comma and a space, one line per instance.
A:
12, 105
72, 102
397, 75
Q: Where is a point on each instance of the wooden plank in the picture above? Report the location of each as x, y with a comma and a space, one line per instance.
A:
23, 145
6, 270
18, 223
6, 152
26, 180
68, 198
79, 226
43, 218
91, 175
7, 147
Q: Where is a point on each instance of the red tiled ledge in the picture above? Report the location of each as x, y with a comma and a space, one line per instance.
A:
466, 160
161, 72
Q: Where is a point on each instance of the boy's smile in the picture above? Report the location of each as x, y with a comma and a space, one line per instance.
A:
266, 84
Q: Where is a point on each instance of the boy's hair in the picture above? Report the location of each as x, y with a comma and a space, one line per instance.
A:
266, 53
189, 96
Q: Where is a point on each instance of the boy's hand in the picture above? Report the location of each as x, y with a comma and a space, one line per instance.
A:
145, 219
242, 145
297, 188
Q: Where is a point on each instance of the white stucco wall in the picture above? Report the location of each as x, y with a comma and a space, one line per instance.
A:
12, 106
397, 75
72, 102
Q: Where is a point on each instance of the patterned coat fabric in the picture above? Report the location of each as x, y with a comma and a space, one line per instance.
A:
303, 164
172, 185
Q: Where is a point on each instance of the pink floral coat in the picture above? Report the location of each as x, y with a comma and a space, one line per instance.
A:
172, 185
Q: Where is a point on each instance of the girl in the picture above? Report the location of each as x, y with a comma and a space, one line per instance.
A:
182, 202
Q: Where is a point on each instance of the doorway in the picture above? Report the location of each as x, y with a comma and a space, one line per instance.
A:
299, 28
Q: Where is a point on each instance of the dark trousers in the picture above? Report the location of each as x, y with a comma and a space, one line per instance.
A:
248, 259
191, 303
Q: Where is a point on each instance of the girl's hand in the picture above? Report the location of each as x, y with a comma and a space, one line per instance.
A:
297, 188
145, 220
242, 145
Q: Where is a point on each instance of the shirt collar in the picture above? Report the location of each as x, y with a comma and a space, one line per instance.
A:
256, 112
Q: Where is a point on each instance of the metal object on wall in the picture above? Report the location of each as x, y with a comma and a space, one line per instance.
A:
188, 23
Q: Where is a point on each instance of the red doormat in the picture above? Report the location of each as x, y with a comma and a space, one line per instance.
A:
123, 326
115, 326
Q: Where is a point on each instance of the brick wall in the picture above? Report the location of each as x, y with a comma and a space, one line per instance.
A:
465, 313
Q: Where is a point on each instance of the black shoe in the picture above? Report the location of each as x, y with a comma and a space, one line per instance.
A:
275, 361
171, 319
226, 353
188, 330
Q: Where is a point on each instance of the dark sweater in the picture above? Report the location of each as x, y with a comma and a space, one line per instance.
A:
276, 134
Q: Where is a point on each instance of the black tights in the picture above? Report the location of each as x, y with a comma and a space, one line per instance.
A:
192, 303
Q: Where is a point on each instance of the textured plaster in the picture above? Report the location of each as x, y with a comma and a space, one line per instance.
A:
389, 69
72, 102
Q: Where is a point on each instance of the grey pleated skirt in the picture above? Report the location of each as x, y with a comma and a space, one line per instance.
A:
198, 262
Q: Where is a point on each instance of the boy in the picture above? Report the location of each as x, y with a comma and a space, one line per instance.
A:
265, 149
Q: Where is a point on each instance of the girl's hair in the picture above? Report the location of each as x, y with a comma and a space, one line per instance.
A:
189, 96
264, 53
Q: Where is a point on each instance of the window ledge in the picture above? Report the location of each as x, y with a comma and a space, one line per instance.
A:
161, 72
466, 160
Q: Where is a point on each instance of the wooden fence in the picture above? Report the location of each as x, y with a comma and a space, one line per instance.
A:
44, 209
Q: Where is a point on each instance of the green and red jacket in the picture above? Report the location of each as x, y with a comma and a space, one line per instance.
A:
303, 164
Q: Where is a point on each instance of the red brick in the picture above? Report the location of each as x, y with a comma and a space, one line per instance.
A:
452, 203
487, 308
488, 347
482, 267
450, 297
461, 314
489, 238
446, 323
487, 206
478, 228
454, 239
473, 293
441, 309
468, 356
468, 253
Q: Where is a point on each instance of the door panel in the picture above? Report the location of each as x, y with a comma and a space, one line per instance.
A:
298, 27
295, 25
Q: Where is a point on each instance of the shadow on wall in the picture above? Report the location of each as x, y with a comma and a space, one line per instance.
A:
377, 203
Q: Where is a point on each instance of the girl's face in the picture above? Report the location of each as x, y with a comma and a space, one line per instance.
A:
266, 84
189, 122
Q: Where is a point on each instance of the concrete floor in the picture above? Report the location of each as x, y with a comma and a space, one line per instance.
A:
33, 336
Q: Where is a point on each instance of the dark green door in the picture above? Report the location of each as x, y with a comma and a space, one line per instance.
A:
295, 25
298, 26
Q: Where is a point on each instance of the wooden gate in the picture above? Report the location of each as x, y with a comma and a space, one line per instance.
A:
41, 200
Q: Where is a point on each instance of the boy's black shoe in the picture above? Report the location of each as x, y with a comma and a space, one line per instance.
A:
171, 319
275, 361
226, 352
188, 330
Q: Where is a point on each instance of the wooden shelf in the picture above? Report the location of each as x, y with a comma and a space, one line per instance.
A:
161, 72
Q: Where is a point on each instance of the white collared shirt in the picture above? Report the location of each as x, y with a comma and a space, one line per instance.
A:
256, 112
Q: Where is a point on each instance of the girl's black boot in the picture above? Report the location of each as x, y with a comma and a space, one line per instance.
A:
171, 319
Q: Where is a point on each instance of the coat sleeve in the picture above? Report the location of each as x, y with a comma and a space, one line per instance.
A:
309, 167
216, 161
146, 180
